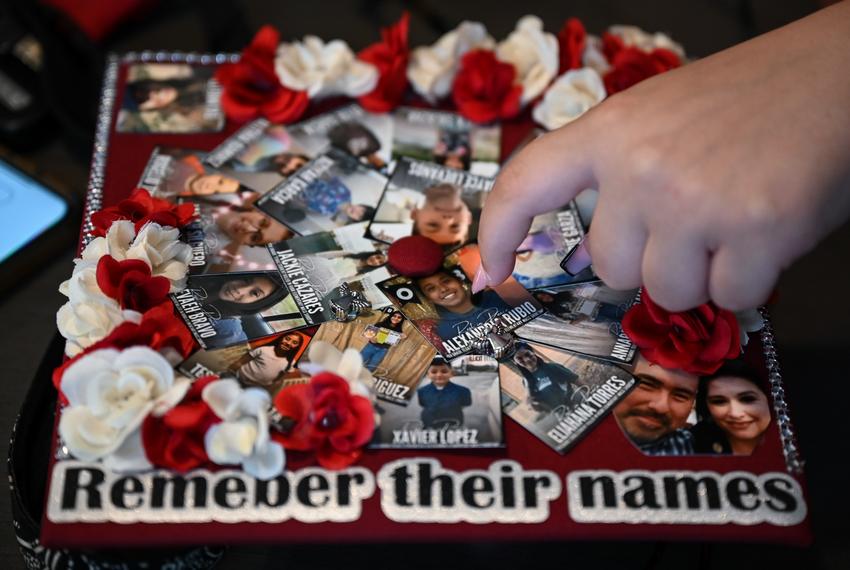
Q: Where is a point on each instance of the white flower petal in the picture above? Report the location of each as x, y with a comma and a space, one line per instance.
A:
534, 54
266, 463
130, 455
569, 97
223, 397
323, 69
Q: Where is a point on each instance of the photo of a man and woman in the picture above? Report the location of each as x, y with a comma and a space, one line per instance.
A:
331, 191
456, 406
226, 309
673, 412
447, 139
557, 395
350, 129
329, 259
170, 98
443, 307
427, 199
583, 318
260, 155
392, 349
267, 363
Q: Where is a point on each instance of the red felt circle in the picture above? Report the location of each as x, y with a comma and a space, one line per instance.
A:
415, 256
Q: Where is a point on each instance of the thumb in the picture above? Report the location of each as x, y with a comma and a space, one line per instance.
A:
542, 177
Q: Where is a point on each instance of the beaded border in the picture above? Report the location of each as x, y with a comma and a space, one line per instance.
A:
94, 202
793, 461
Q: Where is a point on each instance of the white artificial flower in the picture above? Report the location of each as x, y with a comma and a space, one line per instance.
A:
633, 36
749, 321
110, 392
324, 69
572, 95
82, 286
118, 239
242, 437
593, 56
89, 321
160, 247
534, 54
432, 69
322, 356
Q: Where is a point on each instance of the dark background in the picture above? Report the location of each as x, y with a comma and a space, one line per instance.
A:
810, 316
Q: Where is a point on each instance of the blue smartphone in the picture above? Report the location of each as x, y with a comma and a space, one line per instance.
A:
34, 222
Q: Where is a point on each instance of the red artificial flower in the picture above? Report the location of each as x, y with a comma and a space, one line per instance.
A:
696, 341
484, 89
176, 439
141, 208
130, 283
571, 40
326, 418
390, 56
631, 65
159, 329
251, 88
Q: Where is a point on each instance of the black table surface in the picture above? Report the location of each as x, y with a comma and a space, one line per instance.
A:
810, 317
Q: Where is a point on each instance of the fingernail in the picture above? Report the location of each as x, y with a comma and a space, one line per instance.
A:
577, 260
480, 281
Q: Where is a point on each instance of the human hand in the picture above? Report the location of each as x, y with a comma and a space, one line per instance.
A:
712, 177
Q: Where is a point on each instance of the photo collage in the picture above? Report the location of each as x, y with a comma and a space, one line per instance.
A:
293, 218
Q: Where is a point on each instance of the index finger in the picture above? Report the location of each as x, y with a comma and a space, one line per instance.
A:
542, 177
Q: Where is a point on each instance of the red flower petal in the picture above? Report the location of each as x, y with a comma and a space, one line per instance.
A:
571, 41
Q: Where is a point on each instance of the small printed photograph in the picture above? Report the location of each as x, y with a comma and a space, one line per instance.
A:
673, 412
550, 238
170, 98
315, 266
444, 309
267, 363
350, 129
447, 139
180, 174
228, 309
424, 198
329, 192
583, 318
260, 155
456, 405
559, 396
392, 350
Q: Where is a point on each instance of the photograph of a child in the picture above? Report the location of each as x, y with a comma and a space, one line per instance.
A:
444, 309
456, 406
447, 139
584, 318
673, 412
260, 158
170, 98
392, 350
329, 259
557, 395
332, 191
430, 200
350, 129
267, 363
227, 309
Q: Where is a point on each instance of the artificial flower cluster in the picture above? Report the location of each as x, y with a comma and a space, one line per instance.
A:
125, 405
698, 341
560, 76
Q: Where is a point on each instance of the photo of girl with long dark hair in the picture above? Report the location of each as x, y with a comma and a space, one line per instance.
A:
379, 342
268, 363
733, 411
241, 306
